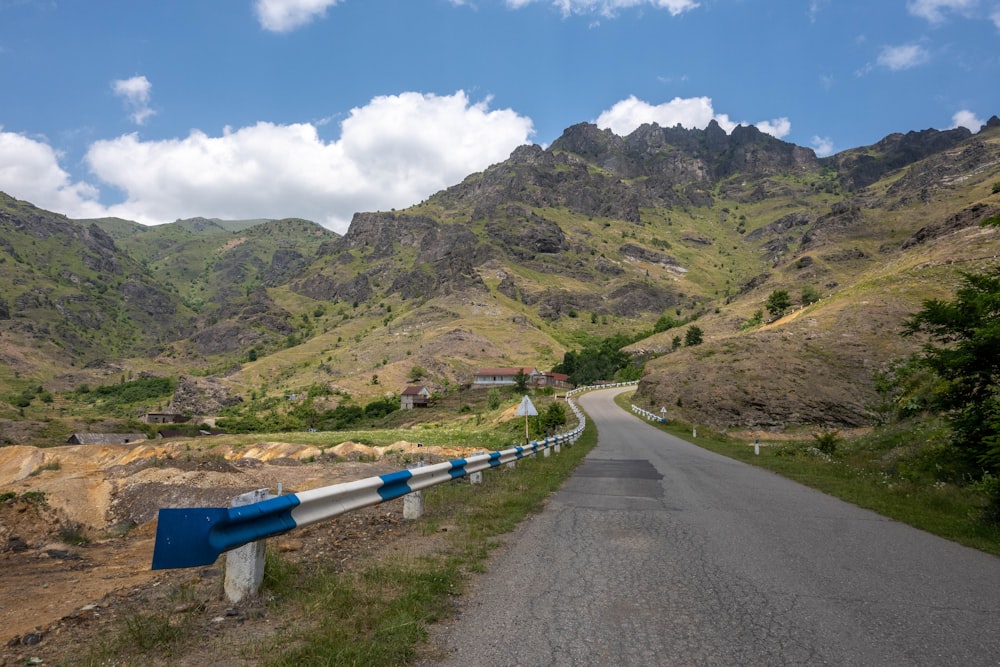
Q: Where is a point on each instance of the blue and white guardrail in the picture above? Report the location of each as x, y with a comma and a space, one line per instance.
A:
651, 416
591, 387
197, 536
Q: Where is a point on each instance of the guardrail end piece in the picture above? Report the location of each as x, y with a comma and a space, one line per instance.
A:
182, 537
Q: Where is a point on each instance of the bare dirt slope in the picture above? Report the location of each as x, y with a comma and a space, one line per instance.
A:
77, 528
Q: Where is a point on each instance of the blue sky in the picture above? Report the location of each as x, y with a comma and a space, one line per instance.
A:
153, 111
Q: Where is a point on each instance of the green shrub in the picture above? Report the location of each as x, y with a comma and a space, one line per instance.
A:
826, 441
34, 497
493, 398
989, 486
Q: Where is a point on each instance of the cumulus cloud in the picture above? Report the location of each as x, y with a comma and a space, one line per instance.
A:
995, 17
135, 92
778, 127
287, 15
691, 112
29, 170
822, 146
393, 152
610, 8
906, 56
968, 120
934, 10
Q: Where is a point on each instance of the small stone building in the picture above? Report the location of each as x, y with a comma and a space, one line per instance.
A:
164, 418
414, 397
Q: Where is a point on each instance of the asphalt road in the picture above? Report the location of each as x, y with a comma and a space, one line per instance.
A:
657, 552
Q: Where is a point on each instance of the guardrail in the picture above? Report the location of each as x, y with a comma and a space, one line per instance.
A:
193, 537
591, 387
651, 416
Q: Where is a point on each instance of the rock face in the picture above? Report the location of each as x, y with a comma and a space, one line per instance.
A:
974, 215
201, 396
861, 167
641, 254
98, 300
381, 232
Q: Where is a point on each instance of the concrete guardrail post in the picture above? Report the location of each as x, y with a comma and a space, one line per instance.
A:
413, 502
476, 477
245, 565
547, 452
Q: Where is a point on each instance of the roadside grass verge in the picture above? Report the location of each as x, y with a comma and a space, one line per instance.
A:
377, 613
900, 473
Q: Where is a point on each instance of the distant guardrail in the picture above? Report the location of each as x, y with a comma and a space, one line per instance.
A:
591, 387
651, 416
193, 537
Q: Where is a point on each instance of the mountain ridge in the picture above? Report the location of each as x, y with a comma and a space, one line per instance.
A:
594, 235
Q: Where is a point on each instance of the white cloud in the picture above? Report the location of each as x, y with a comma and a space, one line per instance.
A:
778, 127
815, 7
610, 7
934, 10
822, 146
29, 170
287, 15
967, 119
906, 56
135, 92
995, 17
392, 153
692, 112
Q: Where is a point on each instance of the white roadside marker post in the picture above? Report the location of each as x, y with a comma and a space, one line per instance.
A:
245, 565
476, 477
413, 502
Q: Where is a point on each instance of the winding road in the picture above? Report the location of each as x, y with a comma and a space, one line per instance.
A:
657, 552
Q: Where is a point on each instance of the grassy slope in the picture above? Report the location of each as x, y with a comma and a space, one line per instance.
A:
850, 332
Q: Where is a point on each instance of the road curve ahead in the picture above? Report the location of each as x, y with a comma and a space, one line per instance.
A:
657, 552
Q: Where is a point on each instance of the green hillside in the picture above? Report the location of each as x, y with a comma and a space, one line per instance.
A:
549, 251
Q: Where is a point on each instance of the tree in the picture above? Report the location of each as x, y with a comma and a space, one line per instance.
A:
493, 398
778, 303
966, 355
693, 336
600, 360
809, 295
755, 321
521, 380
416, 372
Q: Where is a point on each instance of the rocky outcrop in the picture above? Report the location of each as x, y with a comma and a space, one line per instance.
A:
842, 217
857, 168
380, 233
324, 288
201, 396
638, 253
782, 225
523, 233
634, 298
969, 217
286, 263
